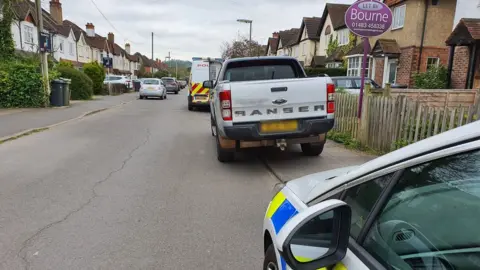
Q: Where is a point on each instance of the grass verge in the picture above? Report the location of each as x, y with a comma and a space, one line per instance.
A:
351, 143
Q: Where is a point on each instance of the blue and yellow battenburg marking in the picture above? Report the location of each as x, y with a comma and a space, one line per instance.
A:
280, 211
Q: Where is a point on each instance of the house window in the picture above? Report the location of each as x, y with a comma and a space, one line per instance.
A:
343, 37
28, 30
432, 62
355, 67
392, 71
71, 48
398, 17
60, 46
304, 49
86, 52
327, 41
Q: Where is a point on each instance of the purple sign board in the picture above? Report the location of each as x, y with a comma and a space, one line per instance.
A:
368, 18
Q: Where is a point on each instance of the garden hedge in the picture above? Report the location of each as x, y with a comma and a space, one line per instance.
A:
97, 74
81, 86
21, 85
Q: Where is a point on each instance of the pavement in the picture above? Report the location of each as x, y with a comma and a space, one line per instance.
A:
14, 121
138, 186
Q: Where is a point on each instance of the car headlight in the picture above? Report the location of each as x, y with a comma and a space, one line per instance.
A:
277, 188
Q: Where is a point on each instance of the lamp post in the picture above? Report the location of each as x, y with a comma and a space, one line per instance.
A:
249, 22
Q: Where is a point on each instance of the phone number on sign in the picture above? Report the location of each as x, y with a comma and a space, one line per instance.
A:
369, 25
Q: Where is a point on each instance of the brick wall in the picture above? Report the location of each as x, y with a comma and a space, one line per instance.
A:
460, 67
406, 63
379, 64
441, 53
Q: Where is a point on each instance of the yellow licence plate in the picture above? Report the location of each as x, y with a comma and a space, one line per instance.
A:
279, 126
200, 98
150, 88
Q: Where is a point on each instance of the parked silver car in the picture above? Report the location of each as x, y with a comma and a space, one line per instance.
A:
153, 88
171, 84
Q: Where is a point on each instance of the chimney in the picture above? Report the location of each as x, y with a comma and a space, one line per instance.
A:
56, 11
275, 35
127, 47
90, 29
111, 37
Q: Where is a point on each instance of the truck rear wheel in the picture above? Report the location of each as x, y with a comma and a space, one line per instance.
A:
312, 149
224, 155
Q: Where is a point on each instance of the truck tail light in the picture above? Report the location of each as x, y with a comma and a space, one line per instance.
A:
225, 97
330, 98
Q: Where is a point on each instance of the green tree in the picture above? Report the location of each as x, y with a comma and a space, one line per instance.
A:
161, 73
242, 48
332, 45
65, 64
97, 74
7, 45
434, 78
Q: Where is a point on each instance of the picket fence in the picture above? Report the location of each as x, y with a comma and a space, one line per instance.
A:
391, 122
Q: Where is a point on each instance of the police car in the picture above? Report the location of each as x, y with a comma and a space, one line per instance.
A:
415, 208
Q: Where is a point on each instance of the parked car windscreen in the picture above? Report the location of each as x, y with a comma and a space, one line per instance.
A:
344, 83
262, 70
151, 82
358, 82
168, 80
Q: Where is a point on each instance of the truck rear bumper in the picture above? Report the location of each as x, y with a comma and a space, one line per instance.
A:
251, 131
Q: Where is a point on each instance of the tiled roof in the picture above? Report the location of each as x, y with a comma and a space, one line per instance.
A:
473, 26
22, 8
76, 29
63, 30
312, 25
357, 49
337, 14
98, 42
466, 32
144, 60
336, 56
385, 46
289, 37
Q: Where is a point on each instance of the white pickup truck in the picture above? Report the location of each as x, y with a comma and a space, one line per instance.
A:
269, 101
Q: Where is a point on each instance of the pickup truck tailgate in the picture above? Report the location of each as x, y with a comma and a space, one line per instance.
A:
269, 100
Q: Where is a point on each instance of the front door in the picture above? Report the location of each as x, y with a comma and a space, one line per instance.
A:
391, 73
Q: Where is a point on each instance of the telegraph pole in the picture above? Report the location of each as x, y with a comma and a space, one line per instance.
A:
152, 46
43, 53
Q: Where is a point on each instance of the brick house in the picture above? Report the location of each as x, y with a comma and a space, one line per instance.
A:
272, 45
287, 40
415, 42
464, 42
332, 27
307, 40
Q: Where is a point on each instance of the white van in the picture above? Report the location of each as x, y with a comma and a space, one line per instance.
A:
203, 69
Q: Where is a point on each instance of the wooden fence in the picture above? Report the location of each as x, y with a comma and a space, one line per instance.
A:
389, 123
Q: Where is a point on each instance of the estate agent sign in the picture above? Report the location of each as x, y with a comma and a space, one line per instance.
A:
367, 18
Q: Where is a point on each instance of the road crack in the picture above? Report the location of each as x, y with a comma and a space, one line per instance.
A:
28, 242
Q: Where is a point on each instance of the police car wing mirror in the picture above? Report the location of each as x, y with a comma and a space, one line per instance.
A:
317, 237
208, 84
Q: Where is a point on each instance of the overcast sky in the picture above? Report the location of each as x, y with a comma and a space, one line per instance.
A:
189, 28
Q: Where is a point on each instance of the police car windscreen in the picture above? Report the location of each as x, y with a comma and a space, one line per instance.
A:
261, 70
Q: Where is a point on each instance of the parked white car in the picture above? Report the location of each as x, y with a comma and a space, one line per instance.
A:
118, 79
414, 208
153, 88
